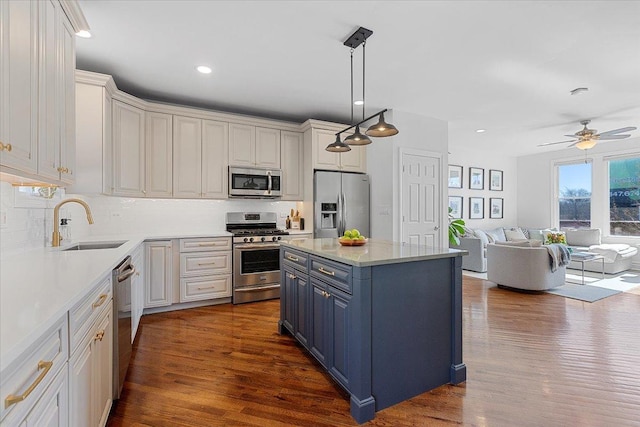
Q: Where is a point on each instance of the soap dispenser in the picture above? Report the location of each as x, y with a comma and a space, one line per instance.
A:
65, 229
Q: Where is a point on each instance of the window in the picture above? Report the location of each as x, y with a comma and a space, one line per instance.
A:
574, 190
624, 197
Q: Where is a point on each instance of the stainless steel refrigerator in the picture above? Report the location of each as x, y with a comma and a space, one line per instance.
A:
340, 202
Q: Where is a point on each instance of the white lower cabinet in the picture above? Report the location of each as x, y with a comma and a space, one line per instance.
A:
205, 268
158, 280
52, 410
137, 289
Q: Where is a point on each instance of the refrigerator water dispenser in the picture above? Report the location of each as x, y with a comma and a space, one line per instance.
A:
328, 212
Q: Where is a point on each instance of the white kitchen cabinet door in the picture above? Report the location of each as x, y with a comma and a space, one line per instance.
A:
292, 165
19, 85
159, 154
242, 145
215, 146
67, 99
52, 410
128, 150
354, 160
267, 148
187, 164
159, 275
103, 369
137, 289
323, 159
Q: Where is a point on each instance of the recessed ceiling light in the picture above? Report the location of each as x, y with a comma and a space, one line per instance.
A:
579, 90
84, 34
204, 69
481, 130
359, 102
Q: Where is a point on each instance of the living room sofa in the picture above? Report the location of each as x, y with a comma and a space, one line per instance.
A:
520, 267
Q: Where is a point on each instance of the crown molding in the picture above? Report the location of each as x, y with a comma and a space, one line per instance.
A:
97, 79
72, 9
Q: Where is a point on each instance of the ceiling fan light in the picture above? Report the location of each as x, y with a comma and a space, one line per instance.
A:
382, 128
586, 144
357, 138
338, 146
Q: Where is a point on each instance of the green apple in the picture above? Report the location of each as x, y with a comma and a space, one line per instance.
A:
355, 233
361, 238
348, 234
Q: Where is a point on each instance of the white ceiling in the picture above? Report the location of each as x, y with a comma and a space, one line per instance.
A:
504, 66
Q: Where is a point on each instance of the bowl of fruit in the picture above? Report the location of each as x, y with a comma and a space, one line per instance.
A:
352, 238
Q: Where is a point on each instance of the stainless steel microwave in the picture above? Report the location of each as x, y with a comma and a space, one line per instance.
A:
254, 182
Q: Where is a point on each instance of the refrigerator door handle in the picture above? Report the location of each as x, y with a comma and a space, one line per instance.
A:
340, 214
344, 214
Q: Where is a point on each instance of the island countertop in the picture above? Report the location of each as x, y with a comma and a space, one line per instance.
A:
374, 252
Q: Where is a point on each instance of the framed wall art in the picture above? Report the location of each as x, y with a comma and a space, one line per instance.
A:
476, 207
495, 180
476, 178
455, 176
455, 203
495, 208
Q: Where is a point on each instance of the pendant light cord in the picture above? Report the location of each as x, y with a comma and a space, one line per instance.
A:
364, 45
351, 85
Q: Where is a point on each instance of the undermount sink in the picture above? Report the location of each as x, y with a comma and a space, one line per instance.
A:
83, 246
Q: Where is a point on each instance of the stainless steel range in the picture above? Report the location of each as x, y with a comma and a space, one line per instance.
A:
256, 255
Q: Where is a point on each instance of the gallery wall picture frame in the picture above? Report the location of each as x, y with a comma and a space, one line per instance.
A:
495, 180
455, 176
476, 207
476, 178
496, 207
455, 203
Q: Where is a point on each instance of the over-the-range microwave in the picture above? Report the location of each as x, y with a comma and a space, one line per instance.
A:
255, 182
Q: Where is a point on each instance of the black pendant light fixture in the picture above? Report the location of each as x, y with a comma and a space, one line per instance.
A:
380, 129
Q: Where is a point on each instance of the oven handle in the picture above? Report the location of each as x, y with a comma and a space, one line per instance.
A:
250, 246
260, 288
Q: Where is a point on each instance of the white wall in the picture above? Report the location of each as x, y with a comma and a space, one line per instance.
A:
537, 186
487, 160
416, 132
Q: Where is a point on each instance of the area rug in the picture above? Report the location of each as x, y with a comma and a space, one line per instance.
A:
583, 292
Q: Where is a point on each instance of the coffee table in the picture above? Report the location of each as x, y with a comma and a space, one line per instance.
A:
583, 257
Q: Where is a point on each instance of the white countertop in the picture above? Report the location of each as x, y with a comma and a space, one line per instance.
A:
374, 252
38, 286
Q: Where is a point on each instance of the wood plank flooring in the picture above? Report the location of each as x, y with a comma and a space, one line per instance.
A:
532, 360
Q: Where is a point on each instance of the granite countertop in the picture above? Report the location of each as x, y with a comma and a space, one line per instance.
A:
39, 286
374, 252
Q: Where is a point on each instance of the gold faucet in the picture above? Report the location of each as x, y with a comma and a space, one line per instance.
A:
55, 239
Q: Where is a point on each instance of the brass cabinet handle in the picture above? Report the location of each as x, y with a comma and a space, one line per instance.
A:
326, 294
99, 336
211, 244
206, 263
7, 147
60, 169
291, 276
328, 273
12, 398
292, 258
100, 301
202, 288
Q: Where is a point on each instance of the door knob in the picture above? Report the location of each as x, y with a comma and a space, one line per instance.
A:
436, 228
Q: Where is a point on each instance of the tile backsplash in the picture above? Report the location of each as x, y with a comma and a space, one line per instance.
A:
29, 226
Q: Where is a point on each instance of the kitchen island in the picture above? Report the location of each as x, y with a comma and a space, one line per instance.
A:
384, 319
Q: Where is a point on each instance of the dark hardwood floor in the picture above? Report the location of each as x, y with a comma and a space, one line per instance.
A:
532, 360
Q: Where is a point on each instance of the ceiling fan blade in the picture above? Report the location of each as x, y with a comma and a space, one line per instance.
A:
621, 130
554, 143
574, 144
605, 137
571, 136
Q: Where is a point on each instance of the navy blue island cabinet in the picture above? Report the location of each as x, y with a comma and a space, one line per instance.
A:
384, 319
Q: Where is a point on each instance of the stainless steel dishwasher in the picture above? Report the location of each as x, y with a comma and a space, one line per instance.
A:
121, 323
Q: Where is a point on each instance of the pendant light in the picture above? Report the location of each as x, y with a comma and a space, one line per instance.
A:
380, 129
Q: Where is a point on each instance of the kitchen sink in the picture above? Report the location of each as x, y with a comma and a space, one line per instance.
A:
83, 246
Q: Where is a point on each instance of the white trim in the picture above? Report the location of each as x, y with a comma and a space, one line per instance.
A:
72, 9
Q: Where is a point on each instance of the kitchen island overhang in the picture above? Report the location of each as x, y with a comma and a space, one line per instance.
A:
384, 319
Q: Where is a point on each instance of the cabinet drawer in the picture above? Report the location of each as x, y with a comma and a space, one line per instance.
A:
198, 264
207, 287
296, 259
82, 315
205, 244
333, 273
33, 371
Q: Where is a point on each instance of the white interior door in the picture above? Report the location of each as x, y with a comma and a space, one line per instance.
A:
421, 199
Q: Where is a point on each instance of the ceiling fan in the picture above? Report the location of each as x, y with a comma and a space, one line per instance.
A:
587, 138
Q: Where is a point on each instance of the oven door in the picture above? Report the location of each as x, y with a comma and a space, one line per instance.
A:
247, 182
256, 272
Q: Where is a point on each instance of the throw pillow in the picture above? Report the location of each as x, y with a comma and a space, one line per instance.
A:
583, 237
555, 237
497, 234
514, 234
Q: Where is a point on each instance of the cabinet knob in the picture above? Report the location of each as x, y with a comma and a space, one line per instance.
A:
291, 276
5, 147
99, 336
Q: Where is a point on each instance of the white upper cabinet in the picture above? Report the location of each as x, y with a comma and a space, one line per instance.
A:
128, 150
215, 146
254, 146
187, 165
37, 90
350, 161
292, 166
158, 154
19, 85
